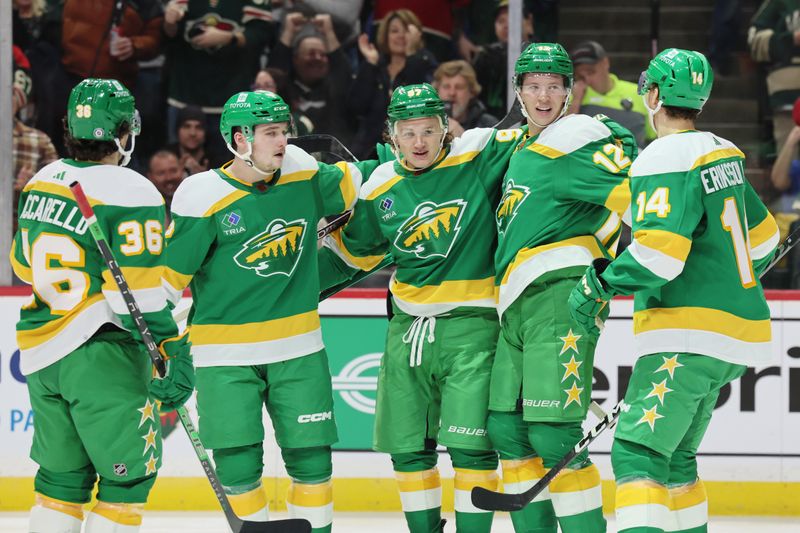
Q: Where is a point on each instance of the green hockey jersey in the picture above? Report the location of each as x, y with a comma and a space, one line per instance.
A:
698, 227
73, 291
249, 254
563, 200
437, 225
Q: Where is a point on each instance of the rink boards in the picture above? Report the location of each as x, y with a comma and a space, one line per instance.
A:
750, 457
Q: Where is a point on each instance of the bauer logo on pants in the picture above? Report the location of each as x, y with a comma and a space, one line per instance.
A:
275, 250
432, 229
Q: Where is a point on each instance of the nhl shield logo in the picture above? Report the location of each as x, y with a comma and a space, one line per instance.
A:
512, 198
432, 229
275, 250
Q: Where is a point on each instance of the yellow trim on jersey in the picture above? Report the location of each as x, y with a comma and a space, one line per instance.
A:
454, 160
716, 155
346, 186
446, 292
269, 330
30, 338
525, 254
703, 319
176, 280
249, 502
467, 479
666, 242
225, 201
641, 493
23, 272
224, 170
58, 190
137, 278
300, 175
383, 188
306, 495
569, 480
763, 231
546, 151
365, 263
418, 481
619, 198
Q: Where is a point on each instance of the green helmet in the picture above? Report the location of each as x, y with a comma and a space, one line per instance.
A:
249, 109
416, 101
684, 78
547, 58
98, 107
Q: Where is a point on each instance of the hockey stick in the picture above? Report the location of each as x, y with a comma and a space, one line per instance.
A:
294, 525
513, 116
327, 293
498, 501
322, 142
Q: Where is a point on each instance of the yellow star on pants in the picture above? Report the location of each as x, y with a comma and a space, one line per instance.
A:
670, 364
148, 412
570, 342
650, 416
150, 465
573, 394
659, 390
572, 368
149, 440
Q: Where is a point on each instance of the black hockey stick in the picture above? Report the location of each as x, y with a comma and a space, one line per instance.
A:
322, 142
513, 116
498, 501
293, 525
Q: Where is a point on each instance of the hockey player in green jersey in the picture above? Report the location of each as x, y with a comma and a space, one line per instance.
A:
432, 210
701, 237
89, 379
245, 241
563, 197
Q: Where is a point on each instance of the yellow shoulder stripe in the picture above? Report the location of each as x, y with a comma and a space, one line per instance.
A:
224, 202
300, 175
666, 242
716, 155
454, 160
383, 188
58, 190
546, 151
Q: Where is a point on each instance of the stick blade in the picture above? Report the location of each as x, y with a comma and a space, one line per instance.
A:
292, 525
497, 501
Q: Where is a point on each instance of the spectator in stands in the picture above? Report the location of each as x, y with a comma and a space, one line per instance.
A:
212, 53
32, 149
344, 15
785, 173
597, 90
319, 72
166, 173
459, 89
491, 64
774, 38
26, 21
276, 81
190, 149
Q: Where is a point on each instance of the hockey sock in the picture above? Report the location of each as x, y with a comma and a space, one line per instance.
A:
538, 516
311, 491
249, 502
642, 503
49, 514
575, 492
688, 506
420, 490
473, 469
114, 518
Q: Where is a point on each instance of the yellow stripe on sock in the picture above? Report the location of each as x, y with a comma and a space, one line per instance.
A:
687, 496
128, 514
308, 495
417, 481
641, 493
466, 479
74, 510
576, 480
249, 502
522, 470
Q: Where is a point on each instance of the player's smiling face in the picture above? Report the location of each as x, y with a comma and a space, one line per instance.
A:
269, 145
419, 140
543, 96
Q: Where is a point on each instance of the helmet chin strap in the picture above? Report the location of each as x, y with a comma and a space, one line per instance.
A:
543, 126
126, 154
246, 157
651, 113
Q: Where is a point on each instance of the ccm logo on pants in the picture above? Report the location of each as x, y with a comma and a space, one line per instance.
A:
315, 417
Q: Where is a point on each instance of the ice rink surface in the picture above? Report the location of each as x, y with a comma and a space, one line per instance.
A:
212, 522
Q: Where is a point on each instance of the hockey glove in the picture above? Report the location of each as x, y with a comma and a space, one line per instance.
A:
588, 301
178, 384
385, 152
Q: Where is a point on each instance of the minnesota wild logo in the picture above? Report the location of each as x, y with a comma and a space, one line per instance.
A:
432, 229
275, 250
509, 204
